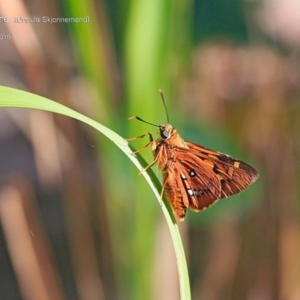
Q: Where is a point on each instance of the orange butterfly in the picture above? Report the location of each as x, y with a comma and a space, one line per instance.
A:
195, 176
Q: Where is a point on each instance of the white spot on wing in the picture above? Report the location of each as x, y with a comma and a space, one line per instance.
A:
190, 192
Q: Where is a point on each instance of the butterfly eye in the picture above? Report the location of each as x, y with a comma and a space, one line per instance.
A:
165, 134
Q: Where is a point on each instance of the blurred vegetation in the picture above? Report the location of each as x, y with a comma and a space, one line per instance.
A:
87, 224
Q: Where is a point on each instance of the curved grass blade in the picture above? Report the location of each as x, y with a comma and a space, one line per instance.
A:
13, 98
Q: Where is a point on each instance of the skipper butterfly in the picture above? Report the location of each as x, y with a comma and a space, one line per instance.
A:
194, 176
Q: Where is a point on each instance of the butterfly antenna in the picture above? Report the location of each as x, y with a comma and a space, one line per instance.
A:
163, 100
139, 119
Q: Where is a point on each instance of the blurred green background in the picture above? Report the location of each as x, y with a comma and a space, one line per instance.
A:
77, 222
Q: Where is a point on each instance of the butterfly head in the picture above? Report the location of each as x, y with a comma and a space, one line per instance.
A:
166, 131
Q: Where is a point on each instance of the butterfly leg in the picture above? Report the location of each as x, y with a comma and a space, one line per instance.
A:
162, 194
143, 148
141, 136
151, 143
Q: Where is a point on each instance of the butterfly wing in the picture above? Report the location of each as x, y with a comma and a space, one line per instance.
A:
190, 182
234, 175
197, 177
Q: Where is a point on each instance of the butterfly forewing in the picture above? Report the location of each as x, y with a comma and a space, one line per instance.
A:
202, 186
235, 175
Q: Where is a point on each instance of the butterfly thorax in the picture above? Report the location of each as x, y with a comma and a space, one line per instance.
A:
165, 145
